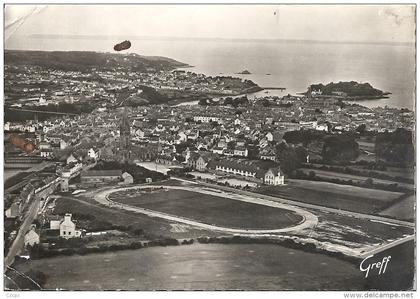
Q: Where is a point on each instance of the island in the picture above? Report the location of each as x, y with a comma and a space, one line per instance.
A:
351, 90
244, 72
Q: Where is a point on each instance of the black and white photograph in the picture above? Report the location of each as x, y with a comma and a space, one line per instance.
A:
209, 147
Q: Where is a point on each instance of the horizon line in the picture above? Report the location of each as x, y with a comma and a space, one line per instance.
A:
180, 38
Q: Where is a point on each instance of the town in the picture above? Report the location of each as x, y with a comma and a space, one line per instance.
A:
116, 130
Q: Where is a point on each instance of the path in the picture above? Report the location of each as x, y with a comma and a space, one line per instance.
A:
17, 244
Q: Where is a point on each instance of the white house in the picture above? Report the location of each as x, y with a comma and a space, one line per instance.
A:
182, 137
240, 151
139, 133
128, 178
71, 159
274, 176
322, 127
63, 144
68, 228
201, 163
55, 224
94, 154
46, 153
316, 92
31, 238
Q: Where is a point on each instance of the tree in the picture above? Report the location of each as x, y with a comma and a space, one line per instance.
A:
302, 153
340, 149
214, 124
395, 146
287, 157
361, 129
368, 182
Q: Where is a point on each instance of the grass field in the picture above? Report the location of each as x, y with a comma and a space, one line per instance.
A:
344, 197
209, 209
108, 218
200, 267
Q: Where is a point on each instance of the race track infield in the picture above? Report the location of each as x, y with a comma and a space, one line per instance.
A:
209, 208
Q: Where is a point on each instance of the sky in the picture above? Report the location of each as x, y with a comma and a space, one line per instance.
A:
343, 23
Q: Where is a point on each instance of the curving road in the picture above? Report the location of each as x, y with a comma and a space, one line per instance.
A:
18, 243
309, 219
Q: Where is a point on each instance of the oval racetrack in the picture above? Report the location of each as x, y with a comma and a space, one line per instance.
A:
308, 220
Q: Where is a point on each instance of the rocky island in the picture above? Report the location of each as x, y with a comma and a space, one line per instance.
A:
244, 72
351, 90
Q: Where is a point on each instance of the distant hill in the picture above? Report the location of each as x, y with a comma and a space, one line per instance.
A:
86, 61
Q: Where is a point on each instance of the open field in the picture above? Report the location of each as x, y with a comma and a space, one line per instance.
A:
208, 208
338, 196
403, 209
228, 267
107, 218
356, 178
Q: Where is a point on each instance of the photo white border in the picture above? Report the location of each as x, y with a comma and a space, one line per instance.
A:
195, 294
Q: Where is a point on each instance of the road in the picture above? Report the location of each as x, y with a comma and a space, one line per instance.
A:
18, 243
36, 168
310, 220
41, 111
386, 246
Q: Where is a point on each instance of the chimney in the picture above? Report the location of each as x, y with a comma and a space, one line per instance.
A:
67, 217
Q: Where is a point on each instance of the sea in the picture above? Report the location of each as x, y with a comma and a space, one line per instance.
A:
292, 65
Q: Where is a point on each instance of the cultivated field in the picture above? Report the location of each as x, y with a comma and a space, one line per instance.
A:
356, 178
391, 171
208, 209
338, 196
